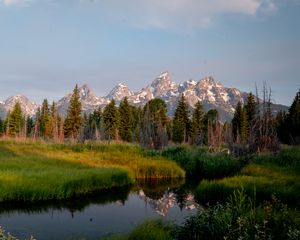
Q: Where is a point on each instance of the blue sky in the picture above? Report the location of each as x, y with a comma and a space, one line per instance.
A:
47, 46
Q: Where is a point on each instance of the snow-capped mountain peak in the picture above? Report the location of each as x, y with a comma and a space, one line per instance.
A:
89, 101
162, 85
210, 92
119, 92
29, 108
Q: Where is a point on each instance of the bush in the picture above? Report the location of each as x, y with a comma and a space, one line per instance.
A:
239, 218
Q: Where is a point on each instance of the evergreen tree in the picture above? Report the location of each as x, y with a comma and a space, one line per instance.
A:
240, 124
73, 120
154, 124
1, 127
293, 120
44, 119
281, 127
181, 122
111, 120
29, 126
15, 121
198, 124
137, 115
52, 126
126, 121
250, 108
212, 129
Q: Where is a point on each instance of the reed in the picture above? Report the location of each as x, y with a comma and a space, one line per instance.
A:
40, 171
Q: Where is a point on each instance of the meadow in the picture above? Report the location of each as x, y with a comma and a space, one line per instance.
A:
33, 171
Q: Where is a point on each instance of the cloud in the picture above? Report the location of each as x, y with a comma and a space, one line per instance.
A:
177, 13
19, 3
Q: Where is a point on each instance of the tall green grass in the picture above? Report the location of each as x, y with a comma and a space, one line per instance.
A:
240, 218
149, 230
199, 164
267, 175
39, 171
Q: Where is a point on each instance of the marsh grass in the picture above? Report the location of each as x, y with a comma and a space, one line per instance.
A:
39, 171
267, 174
149, 230
199, 163
240, 218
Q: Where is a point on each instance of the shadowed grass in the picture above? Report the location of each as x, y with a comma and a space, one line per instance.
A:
39, 171
268, 175
199, 164
149, 230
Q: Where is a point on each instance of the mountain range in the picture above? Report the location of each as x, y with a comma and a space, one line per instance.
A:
210, 92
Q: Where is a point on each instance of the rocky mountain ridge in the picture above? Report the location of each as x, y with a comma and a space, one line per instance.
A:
210, 92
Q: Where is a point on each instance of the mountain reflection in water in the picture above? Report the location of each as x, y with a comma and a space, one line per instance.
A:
99, 214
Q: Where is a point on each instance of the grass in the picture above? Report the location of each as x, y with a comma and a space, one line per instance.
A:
240, 218
149, 230
265, 176
237, 218
200, 164
39, 171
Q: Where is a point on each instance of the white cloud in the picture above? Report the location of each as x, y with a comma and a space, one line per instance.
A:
177, 13
9, 3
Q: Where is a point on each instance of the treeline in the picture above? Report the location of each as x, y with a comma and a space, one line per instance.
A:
252, 129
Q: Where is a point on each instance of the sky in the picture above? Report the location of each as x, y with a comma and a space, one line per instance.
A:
47, 46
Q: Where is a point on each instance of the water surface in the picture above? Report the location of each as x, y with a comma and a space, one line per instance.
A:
99, 214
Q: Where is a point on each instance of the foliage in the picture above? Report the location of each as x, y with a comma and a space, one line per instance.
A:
197, 130
199, 164
154, 125
126, 121
15, 121
240, 124
181, 122
111, 121
1, 127
73, 120
8, 236
250, 108
38, 171
269, 175
149, 230
240, 218
288, 125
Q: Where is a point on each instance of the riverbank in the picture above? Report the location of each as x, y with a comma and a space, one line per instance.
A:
35, 171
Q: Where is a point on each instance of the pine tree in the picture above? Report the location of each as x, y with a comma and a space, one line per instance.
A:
198, 124
111, 121
73, 120
293, 120
250, 108
1, 127
240, 124
181, 123
44, 119
29, 126
154, 124
126, 121
15, 121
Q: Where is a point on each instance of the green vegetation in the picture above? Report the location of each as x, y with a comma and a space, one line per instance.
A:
73, 120
237, 218
38, 171
8, 236
264, 176
199, 164
240, 218
181, 122
150, 230
111, 121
